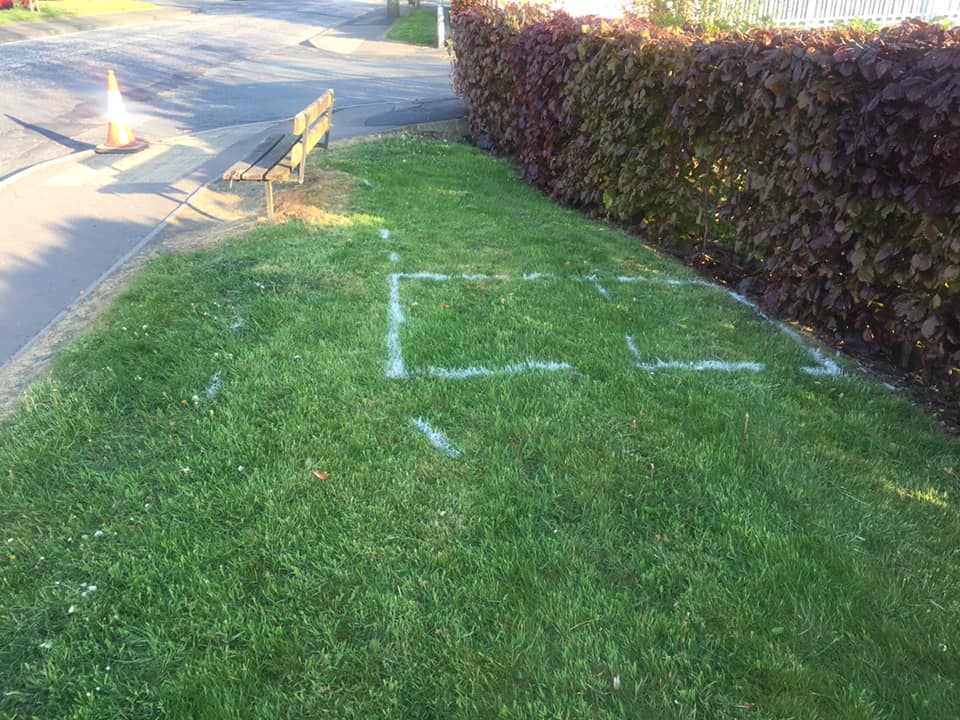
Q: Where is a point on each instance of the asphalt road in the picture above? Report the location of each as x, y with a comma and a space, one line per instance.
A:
234, 61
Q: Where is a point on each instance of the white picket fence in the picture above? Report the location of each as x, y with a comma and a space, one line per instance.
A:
816, 13
791, 13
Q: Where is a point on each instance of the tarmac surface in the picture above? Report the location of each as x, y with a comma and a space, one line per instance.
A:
73, 222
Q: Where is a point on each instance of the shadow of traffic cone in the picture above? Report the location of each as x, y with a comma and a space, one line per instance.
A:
120, 138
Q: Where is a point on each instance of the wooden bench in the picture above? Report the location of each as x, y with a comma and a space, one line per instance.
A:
279, 157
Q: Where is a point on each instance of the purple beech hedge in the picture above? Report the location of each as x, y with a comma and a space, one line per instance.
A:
829, 160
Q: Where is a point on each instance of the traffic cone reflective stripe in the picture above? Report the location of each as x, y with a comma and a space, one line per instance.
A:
120, 137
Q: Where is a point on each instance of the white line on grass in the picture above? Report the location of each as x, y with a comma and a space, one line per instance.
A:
214, 385
824, 365
662, 281
480, 371
436, 438
395, 368
485, 277
698, 366
600, 288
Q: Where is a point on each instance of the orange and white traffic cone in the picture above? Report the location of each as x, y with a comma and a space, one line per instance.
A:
120, 138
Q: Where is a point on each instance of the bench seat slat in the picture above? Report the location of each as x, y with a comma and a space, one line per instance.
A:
282, 171
236, 171
270, 159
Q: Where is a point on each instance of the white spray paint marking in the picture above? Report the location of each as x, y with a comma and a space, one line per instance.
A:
485, 277
395, 368
394, 258
384, 234
662, 281
480, 371
213, 387
753, 306
600, 288
824, 365
421, 276
436, 438
700, 366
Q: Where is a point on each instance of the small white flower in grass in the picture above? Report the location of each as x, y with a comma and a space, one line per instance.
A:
71, 610
240, 468
185, 470
138, 378
98, 533
298, 357
10, 540
259, 284
384, 234
616, 682
46, 645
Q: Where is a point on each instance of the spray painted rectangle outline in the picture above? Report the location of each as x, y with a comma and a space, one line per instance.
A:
396, 368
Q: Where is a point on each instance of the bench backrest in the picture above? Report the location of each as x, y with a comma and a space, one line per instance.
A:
312, 125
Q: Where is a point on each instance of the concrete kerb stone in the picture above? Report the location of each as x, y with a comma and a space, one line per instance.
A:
23, 173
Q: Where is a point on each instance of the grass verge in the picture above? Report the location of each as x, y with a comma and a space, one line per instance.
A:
418, 27
50, 9
222, 505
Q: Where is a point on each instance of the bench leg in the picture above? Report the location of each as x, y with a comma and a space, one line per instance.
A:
270, 202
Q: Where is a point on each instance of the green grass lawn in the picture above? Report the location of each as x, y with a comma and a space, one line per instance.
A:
418, 27
50, 9
226, 503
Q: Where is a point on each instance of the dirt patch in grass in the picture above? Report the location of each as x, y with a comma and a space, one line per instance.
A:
319, 201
